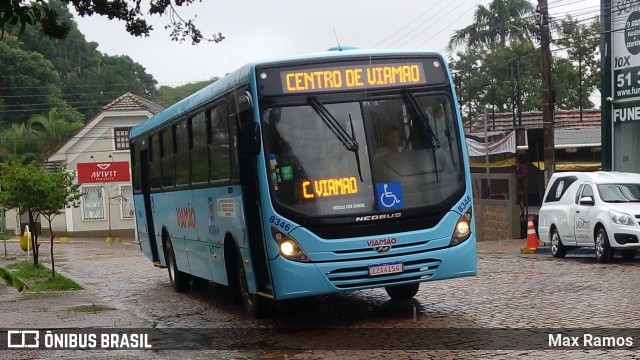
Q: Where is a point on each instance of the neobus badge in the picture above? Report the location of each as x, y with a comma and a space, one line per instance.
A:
378, 217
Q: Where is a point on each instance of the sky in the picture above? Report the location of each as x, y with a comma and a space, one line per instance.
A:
263, 29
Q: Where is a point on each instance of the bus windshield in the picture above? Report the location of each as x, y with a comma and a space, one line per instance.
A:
407, 154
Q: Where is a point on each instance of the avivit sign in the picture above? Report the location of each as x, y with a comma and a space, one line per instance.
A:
97, 172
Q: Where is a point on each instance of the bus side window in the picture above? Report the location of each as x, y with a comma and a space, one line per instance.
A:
181, 157
199, 149
168, 169
136, 179
242, 128
219, 146
233, 145
154, 162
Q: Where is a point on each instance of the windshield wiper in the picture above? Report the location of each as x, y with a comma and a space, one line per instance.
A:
426, 132
349, 141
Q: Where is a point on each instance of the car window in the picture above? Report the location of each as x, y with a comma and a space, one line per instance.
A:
559, 188
578, 193
587, 191
619, 192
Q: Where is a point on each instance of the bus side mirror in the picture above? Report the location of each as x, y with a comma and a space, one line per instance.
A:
245, 102
251, 138
255, 138
250, 130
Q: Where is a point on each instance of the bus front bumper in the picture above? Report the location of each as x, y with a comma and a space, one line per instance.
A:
297, 279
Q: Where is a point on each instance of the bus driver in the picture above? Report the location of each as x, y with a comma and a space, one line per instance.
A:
391, 142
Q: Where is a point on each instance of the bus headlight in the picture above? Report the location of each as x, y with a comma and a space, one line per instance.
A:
288, 247
462, 230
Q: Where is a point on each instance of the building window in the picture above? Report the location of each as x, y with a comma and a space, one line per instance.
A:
126, 202
92, 203
121, 138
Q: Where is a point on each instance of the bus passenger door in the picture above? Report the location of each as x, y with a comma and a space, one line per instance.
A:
248, 145
148, 207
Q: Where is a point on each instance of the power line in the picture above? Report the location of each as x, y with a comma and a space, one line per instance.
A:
416, 31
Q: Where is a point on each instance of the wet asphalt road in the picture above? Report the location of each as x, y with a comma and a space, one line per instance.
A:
511, 291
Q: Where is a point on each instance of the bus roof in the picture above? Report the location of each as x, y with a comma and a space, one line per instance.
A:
243, 74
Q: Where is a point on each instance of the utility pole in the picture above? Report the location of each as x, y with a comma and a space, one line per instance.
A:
547, 101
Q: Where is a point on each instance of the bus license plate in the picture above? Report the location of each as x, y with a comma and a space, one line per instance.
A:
386, 268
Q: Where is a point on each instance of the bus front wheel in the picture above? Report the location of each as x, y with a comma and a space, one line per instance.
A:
402, 292
255, 305
180, 280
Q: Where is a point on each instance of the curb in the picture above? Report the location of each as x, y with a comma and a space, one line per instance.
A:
547, 250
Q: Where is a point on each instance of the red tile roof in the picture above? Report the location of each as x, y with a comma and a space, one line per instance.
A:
567, 119
129, 101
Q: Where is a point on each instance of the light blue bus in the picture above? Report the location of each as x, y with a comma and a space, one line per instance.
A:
309, 175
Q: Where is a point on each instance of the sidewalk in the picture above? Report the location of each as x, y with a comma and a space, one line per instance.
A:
509, 246
519, 246
512, 246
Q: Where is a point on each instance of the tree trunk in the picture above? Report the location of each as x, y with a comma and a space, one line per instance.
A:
53, 263
34, 238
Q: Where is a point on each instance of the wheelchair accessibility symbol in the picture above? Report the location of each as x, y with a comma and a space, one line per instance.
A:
389, 195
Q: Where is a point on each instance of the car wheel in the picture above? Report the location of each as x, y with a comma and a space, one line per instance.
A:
629, 254
604, 252
402, 292
180, 280
558, 250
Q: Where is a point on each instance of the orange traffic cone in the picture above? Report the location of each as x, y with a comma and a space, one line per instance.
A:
532, 238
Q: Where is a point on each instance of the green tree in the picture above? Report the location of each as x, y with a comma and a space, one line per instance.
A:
490, 76
503, 21
51, 131
39, 135
88, 78
581, 43
167, 96
11, 280
22, 189
34, 189
496, 43
60, 192
28, 82
23, 13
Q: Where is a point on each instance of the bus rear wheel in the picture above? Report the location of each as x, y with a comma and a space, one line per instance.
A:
254, 304
179, 280
402, 292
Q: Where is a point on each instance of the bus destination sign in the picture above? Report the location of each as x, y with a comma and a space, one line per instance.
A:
355, 77
329, 187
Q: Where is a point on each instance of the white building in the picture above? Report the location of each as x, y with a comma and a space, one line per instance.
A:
99, 156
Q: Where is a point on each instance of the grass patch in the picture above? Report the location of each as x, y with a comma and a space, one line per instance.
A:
3, 237
58, 283
92, 309
38, 278
26, 270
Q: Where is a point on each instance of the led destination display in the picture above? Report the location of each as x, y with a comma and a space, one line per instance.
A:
352, 77
329, 187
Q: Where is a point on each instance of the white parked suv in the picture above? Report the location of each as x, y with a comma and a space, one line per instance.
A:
597, 209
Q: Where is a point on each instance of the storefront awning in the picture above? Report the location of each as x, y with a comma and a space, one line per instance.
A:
496, 163
572, 166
